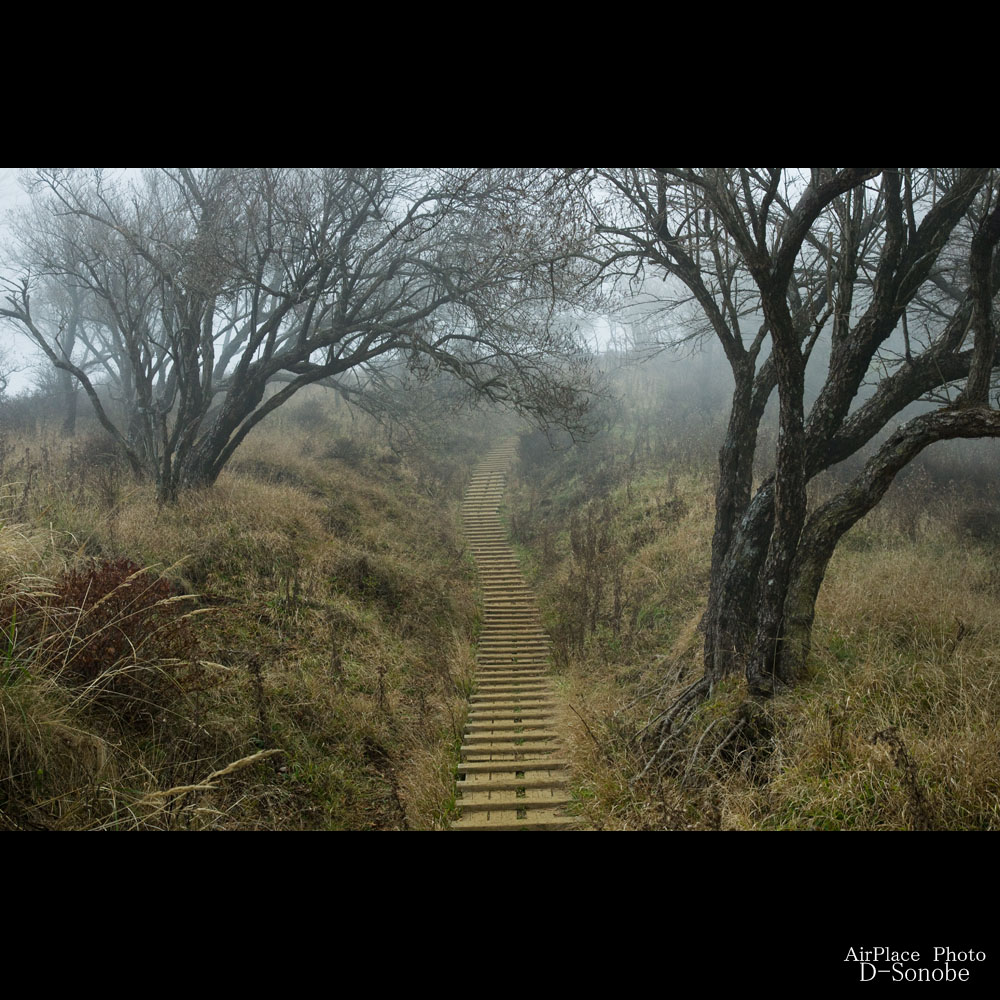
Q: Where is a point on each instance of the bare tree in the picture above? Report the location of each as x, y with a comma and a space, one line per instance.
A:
895, 270
212, 296
59, 307
6, 370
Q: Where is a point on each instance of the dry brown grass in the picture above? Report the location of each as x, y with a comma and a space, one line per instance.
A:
896, 727
334, 619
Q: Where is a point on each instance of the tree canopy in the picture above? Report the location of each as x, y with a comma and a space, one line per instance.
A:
894, 271
206, 298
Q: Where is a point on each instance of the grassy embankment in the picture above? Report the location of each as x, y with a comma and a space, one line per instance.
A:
896, 727
295, 655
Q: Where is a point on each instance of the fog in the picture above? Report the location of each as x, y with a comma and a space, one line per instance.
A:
14, 347
649, 317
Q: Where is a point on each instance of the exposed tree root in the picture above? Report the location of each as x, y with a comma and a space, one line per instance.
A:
672, 721
744, 738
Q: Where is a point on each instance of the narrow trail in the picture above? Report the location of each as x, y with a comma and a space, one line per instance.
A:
513, 774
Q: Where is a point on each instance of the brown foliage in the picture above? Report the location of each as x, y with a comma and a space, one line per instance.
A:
113, 625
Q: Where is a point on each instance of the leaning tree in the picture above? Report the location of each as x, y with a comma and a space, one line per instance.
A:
895, 272
207, 298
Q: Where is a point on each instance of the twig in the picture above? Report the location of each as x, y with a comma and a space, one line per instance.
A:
589, 733
697, 747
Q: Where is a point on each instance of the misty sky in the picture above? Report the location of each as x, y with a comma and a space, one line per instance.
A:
15, 347
22, 353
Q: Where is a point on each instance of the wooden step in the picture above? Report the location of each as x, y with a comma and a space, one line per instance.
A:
507, 822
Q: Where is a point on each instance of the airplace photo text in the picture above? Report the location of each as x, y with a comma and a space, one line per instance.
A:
941, 964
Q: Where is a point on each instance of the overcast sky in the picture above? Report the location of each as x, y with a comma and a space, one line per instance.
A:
18, 349
11, 195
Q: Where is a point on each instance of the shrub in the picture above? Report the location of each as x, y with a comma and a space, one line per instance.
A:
347, 450
979, 521
310, 415
370, 579
117, 628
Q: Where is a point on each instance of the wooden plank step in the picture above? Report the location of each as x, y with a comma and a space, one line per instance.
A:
528, 631
484, 783
490, 703
504, 740
504, 823
480, 712
491, 718
507, 727
512, 685
510, 642
514, 690
512, 767
504, 673
486, 805
469, 751
514, 721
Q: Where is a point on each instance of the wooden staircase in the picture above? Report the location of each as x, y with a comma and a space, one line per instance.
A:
513, 774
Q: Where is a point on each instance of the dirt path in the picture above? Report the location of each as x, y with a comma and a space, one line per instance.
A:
513, 774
